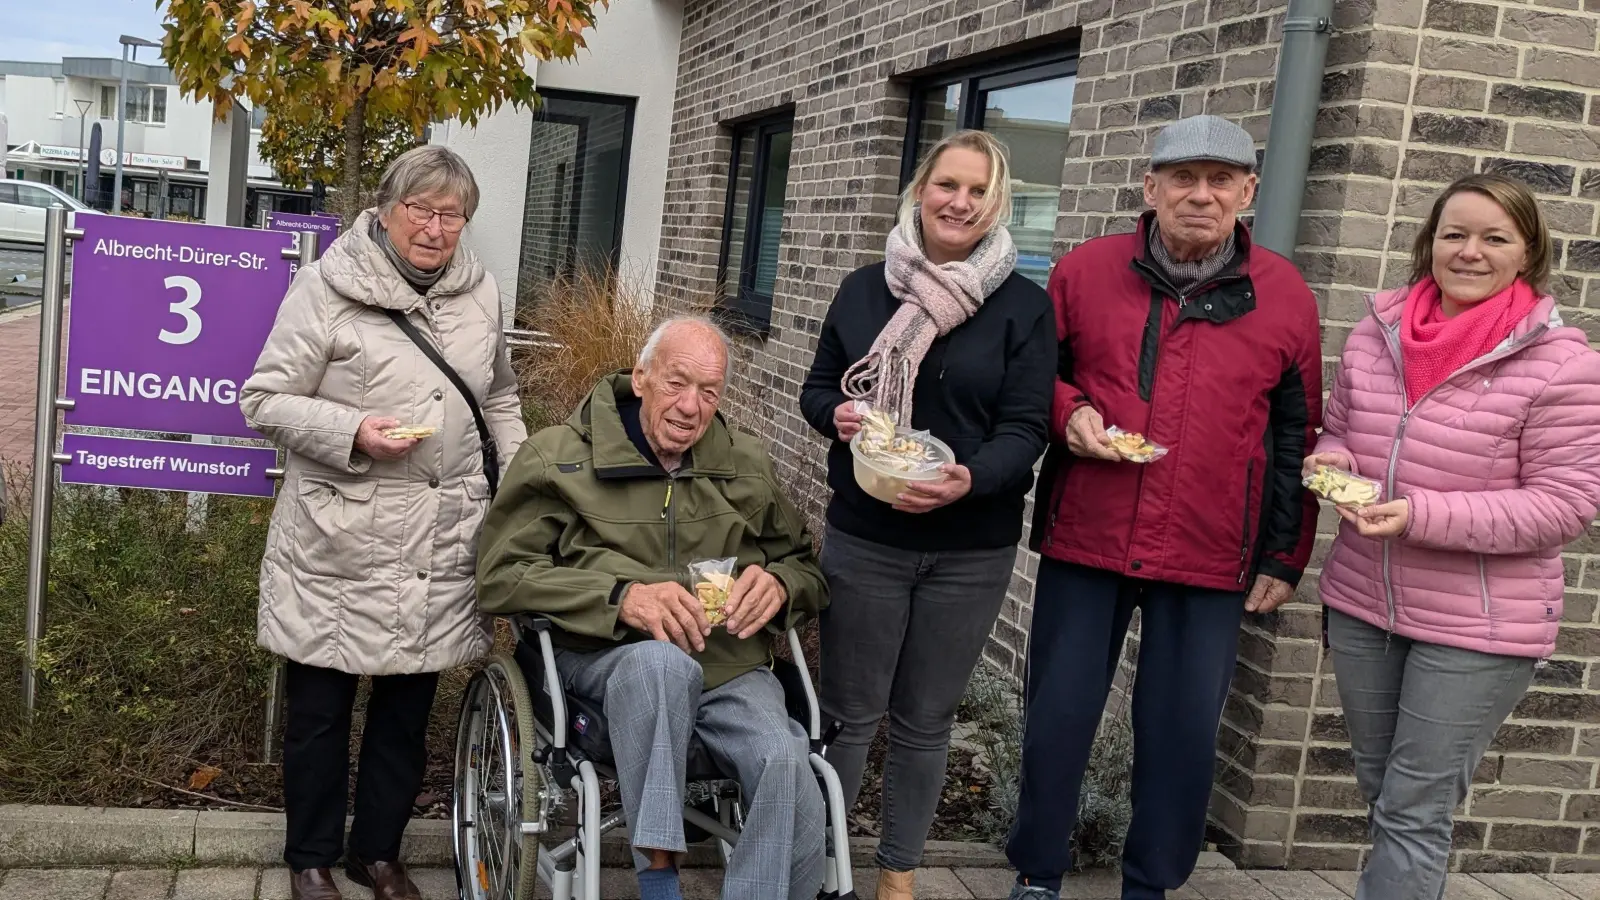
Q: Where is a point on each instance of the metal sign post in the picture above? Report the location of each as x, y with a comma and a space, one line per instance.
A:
307, 254
44, 442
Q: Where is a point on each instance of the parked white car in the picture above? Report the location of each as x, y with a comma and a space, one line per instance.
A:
22, 207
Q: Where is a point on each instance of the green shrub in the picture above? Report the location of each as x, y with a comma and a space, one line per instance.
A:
992, 712
148, 661
1105, 807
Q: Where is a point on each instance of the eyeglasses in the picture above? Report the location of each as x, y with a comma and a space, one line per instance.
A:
422, 215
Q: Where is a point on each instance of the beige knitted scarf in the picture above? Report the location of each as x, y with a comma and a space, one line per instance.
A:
934, 299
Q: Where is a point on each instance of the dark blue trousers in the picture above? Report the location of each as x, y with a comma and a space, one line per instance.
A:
1188, 639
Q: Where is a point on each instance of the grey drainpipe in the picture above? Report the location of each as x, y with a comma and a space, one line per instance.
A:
1296, 95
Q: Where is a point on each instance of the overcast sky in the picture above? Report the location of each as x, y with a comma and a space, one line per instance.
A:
46, 30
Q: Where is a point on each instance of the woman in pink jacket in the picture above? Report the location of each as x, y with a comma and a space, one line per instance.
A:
1480, 414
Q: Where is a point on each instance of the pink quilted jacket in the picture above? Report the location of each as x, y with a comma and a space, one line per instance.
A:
1501, 464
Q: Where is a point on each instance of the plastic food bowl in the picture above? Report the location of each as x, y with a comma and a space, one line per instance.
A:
886, 484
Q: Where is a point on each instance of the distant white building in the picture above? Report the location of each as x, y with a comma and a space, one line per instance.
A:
166, 142
581, 181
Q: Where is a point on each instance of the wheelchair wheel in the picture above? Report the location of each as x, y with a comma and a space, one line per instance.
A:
498, 787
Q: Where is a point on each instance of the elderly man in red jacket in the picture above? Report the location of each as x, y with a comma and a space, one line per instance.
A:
1206, 345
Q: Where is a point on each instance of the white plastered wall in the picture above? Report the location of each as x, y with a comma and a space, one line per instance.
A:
632, 52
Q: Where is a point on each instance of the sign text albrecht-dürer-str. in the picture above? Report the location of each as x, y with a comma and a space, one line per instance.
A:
198, 256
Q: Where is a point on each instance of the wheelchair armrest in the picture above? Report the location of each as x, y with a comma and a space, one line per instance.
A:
536, 629
533, 622
814, 725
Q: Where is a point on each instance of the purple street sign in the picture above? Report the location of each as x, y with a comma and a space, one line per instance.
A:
326, 227
168, 465
168, 319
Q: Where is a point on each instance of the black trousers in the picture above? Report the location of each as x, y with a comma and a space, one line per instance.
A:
316, 763
1188, 639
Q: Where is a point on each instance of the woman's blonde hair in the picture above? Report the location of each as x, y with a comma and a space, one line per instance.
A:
996, 207
1517, 200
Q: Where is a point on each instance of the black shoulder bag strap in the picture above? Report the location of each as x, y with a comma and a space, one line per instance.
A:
491, 453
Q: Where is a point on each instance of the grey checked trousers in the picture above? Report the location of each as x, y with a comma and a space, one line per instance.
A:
653, 700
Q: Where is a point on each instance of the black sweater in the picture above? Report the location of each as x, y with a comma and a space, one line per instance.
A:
985, 389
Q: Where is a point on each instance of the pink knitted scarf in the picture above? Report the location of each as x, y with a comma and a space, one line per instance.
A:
934, 299
1434, 347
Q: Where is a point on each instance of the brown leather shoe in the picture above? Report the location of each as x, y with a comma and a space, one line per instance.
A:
388, 880
313, 884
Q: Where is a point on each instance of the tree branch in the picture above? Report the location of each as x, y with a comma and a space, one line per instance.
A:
206, 797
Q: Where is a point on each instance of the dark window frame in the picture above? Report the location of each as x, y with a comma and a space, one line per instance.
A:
748, 312
976, 81
630, 108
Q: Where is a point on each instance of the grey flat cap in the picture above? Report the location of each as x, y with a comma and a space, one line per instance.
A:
1204, 137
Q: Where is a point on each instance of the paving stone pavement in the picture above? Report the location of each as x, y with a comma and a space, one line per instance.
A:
705, 884
19, 374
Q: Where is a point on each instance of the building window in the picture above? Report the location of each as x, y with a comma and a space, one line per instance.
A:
758, 182
1026, 102
147, 104
186, 201
146, 198
577, 189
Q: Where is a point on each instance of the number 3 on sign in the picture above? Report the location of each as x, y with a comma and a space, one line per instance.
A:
184, 308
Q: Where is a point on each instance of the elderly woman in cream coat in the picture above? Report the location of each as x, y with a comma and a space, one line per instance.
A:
370, 557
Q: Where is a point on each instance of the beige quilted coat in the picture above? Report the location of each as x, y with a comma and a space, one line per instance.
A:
369, 565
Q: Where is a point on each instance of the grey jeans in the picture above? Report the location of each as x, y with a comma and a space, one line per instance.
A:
902, 633
652, 696
1420, 717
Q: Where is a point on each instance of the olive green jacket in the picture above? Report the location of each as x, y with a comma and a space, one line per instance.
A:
582, 514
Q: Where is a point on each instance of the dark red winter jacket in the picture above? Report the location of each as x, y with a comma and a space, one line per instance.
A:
1227, 377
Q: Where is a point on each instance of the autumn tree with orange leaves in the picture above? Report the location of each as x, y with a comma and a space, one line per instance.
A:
359, 66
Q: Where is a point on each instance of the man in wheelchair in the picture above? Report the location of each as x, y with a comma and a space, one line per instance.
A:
594, 529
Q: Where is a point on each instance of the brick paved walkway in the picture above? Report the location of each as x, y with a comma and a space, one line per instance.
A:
19, 373
703, 884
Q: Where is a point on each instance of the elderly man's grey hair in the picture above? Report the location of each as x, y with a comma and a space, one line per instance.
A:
430, 169
647, 355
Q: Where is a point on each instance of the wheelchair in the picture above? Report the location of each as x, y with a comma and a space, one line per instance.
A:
523, 757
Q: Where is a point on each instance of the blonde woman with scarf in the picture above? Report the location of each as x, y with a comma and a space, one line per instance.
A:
1480, 414
948, 338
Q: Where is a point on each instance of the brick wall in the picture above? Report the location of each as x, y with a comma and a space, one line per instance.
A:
1415, 94
844, 67
548, 206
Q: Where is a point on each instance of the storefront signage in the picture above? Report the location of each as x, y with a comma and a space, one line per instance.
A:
327, 227
49, 152
167, 465
144, 160
168, 319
